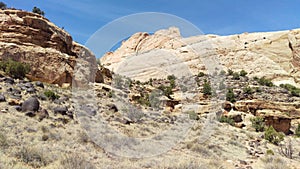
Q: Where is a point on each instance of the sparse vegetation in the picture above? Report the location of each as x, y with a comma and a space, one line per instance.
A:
287, 149
264, 82
38, 11
273, 136
225, 119
33, 157
3, 5
273, 162
51, 95
207, 90
292, 89
75, 161
236, 76
193, 115
167, 90
201, 74
222, 72
3, 141
230, 72
14, 69
248, 90
270, 152
258, 123
230, 95
243, 73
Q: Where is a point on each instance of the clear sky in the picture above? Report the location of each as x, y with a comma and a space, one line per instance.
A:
81, 18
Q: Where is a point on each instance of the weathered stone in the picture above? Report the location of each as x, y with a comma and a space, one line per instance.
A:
60, 110
31, 104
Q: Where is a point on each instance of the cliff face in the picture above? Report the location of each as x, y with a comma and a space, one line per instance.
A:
271, 54
48, 49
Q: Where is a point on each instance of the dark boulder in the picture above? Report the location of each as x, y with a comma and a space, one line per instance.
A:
31, 104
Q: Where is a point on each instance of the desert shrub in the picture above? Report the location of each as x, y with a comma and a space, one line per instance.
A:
230, 95
258, 123
74, 161
14, 69
207, 88
230, 72
297, 131
51, 95
222, 72
273, 136
264, 82
167, 90
292, 89
144, 100
32, 157
273, 162
236, 76
171, 77
38, 11
270, 152
3, 5
3, 140
225, 119
243, 73
248, 90
201, 74
193, 115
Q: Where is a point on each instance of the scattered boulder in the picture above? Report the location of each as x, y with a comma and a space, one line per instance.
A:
2, 98
112, 107
39, 84
60, 110
31, 104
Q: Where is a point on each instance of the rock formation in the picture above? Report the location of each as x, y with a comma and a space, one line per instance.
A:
48, 49
271, 54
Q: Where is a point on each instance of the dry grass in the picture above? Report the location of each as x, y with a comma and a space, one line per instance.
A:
75, 161
32, 156
274, 162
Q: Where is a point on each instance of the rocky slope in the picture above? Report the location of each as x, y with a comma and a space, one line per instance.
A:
48, 49
271, 54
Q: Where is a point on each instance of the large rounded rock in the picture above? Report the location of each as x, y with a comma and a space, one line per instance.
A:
31, 104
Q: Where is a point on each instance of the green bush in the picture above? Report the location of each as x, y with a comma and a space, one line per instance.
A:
201, 74
297, 132
3, 5
292, 89
224, 119
207, 88
248, 90
258, 123
38, 11
230, 95
14, 69
230, 72
243, 73
273, 136
171, 77
270, 152
236, 76
167, 90
51, 95
144, 100
264, 82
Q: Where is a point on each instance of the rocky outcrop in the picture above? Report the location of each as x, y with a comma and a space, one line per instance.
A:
48, 49
271, 54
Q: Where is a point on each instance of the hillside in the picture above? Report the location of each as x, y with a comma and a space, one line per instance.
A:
167, 112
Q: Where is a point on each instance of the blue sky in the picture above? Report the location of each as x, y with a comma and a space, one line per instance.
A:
81, 18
